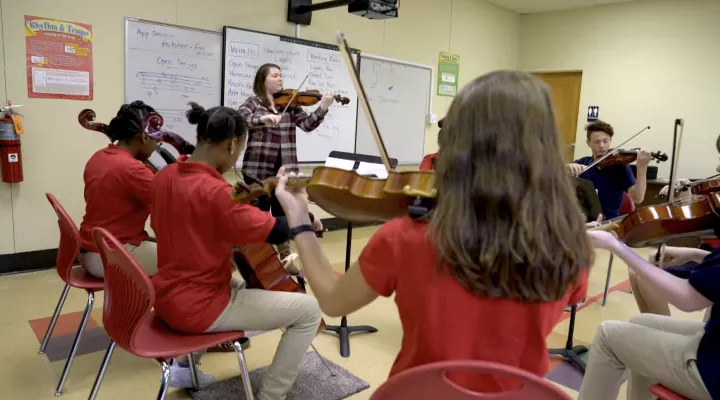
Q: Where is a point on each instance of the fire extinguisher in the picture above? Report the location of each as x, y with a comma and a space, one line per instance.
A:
10, 153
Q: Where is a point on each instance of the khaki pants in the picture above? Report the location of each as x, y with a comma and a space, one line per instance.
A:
655, 348
259, 310
145, 254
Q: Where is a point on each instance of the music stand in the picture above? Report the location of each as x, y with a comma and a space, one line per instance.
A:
351, 161
588, 198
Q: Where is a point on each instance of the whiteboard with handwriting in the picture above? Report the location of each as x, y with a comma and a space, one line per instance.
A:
168, 66
246, 51
399, 93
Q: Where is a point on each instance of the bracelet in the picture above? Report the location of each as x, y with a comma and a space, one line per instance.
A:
300, 229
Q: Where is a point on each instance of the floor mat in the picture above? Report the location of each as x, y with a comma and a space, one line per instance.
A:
313, 382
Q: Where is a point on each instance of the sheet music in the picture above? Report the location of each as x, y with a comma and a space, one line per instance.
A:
370, 169
340, 163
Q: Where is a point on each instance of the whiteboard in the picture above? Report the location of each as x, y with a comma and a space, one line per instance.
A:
168, 66
245, 51
399, 93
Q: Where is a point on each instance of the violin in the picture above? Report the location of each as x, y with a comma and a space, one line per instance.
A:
625, 157
292, 98
656, 225
86, 119
353, 197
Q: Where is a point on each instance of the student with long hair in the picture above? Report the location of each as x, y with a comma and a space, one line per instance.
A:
197, 224
117, 191
487, 274
272, 144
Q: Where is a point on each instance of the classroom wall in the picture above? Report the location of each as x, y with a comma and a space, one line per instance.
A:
643, 63
55, 147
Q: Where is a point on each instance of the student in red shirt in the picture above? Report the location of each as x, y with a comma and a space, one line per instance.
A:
196, 224
487, 274
428, 162
117, 191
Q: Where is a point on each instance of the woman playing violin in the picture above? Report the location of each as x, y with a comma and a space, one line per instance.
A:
611, 182
272, 135
430, 160
117, 190
197, 223
486, 261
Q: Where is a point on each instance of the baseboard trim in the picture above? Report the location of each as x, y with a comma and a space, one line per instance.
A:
45, 259
27, 261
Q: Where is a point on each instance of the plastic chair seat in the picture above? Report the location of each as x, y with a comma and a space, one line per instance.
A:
155, 339
81, 279
664, 393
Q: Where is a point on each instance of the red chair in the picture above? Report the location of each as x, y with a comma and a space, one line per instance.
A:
73, 275
430, 381
130, 322
664, 393
626, 207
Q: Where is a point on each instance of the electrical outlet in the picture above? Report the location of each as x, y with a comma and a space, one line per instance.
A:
432, 119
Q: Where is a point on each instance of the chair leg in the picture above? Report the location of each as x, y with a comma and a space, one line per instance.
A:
54, 319
165, 381
193, 371
101, 373
244, 370
73, 349
607, 280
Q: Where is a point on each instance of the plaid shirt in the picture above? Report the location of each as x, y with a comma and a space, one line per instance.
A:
266, 141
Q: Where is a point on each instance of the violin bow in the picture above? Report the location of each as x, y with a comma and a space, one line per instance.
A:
674, 161
294, 95
613, 151
354, 75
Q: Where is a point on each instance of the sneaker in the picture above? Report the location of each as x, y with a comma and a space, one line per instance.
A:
180, 377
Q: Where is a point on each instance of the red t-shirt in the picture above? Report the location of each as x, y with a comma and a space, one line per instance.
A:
427, 162
117, 197
196, 224
443, 321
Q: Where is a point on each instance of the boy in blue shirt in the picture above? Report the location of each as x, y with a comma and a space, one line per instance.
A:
679, 354
611, 182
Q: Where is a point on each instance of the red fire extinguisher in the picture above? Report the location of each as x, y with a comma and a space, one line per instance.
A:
10, 154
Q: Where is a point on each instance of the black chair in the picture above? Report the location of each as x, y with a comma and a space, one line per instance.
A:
572, 353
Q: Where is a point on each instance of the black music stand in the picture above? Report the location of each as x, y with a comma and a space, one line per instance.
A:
343, 330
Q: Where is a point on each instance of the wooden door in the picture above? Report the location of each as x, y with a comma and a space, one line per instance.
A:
565, 88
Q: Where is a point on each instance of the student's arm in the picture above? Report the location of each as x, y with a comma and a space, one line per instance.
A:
637, 188
138, 181
375, 273
308, 122
248, 110
676, 291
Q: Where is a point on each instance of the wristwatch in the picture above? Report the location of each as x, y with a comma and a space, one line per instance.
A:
300, 229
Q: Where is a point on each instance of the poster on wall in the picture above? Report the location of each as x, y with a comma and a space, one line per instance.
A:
448, 72
59, 59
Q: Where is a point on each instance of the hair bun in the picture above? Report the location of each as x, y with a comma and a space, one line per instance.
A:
195, 114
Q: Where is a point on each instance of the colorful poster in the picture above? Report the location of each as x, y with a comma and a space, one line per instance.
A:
448, 72
59, 59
